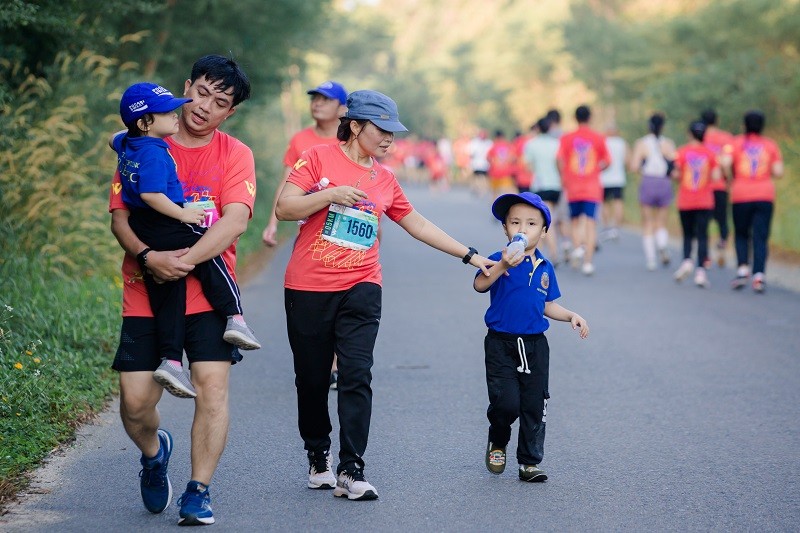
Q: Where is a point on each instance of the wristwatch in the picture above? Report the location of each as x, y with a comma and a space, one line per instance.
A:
467, 258
141, 257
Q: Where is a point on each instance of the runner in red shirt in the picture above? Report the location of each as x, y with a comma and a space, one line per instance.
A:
333, 282
696, 170
721, 143
523, 176
327, 105
755, 162
582, 154
501, 165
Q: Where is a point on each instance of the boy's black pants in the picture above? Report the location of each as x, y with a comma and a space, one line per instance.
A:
516, 394
168, 300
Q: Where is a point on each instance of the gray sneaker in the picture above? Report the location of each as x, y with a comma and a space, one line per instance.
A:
531, 473
175, 380
240, 335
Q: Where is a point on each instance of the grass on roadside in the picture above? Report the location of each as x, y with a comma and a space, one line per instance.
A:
56, 340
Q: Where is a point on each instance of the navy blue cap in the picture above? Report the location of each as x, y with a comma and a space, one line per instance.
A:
331, 89
142, 98
375, 107
503, 203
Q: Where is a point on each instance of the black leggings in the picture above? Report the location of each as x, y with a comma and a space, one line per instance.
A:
695, 226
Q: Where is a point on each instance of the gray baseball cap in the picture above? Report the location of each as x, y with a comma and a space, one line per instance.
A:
375, 107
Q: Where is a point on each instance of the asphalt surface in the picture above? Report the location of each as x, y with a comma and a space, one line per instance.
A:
679, 412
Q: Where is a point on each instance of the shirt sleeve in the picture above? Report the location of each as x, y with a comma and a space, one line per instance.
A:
239, 183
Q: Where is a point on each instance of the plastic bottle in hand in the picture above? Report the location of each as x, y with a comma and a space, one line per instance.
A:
517, 245
316, 188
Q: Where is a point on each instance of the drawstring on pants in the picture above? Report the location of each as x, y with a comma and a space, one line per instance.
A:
523, 357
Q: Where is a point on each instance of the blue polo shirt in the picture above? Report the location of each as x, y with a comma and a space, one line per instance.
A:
517, 300
145, 164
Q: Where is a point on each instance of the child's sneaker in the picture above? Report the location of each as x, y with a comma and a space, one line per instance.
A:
195, 505
531, 473
684, 270
351, 484
700, 278
175, 379
495, 458
240, 335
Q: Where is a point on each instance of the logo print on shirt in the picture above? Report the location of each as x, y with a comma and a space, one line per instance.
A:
116, 187
753, 153
300, 164
335, 256
251, 188
545, 280
693, 177
583, 157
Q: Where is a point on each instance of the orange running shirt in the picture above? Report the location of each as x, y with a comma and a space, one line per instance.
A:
302, 141
720, 142
753, 157
695, 162
321, 266
222, 171
583, 153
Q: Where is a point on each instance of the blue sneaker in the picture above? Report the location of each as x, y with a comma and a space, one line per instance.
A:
154, 481
195, 506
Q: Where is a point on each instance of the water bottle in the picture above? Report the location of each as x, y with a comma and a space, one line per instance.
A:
517, 245
316, 188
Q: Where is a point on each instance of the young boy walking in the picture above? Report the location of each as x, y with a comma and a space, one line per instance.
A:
159, 217
523, 290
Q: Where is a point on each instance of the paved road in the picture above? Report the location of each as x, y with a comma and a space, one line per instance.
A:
680, 412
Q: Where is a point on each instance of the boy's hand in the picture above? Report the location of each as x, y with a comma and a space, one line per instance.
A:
578, 321
511, 260
192, 215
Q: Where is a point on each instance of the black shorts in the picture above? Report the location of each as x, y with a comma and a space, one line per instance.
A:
612, 193
550, 196
138, 346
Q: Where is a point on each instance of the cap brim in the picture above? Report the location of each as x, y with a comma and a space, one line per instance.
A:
393, 126
503, 203
168, 105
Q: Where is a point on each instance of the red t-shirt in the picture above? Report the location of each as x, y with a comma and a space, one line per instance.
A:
721, 143
501, 159
318, 265
302, 141
522, 174
582, 153
753, 157
222, 171
695, 162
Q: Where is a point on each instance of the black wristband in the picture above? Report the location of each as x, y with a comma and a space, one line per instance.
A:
141, 258
467, 258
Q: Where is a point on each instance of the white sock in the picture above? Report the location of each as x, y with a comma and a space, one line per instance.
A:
649, 245
662, 238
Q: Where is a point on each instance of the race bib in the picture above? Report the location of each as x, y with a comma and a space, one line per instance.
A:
210, 210
350, 228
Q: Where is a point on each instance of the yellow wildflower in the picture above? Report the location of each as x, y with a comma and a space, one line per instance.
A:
18, 366
28, 352
37, 360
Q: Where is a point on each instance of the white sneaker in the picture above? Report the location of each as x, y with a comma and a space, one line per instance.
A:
700, 278
684, 270
576, 256
353, 486
651, 265
320, 475
587, 269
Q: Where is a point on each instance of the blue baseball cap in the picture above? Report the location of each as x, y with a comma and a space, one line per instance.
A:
331, 89
375, 107
142, 98
503, 203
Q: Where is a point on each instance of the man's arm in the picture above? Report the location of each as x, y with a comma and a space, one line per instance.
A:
220, 235
165, 265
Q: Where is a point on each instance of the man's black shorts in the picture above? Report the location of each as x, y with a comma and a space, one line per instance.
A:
138, 346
